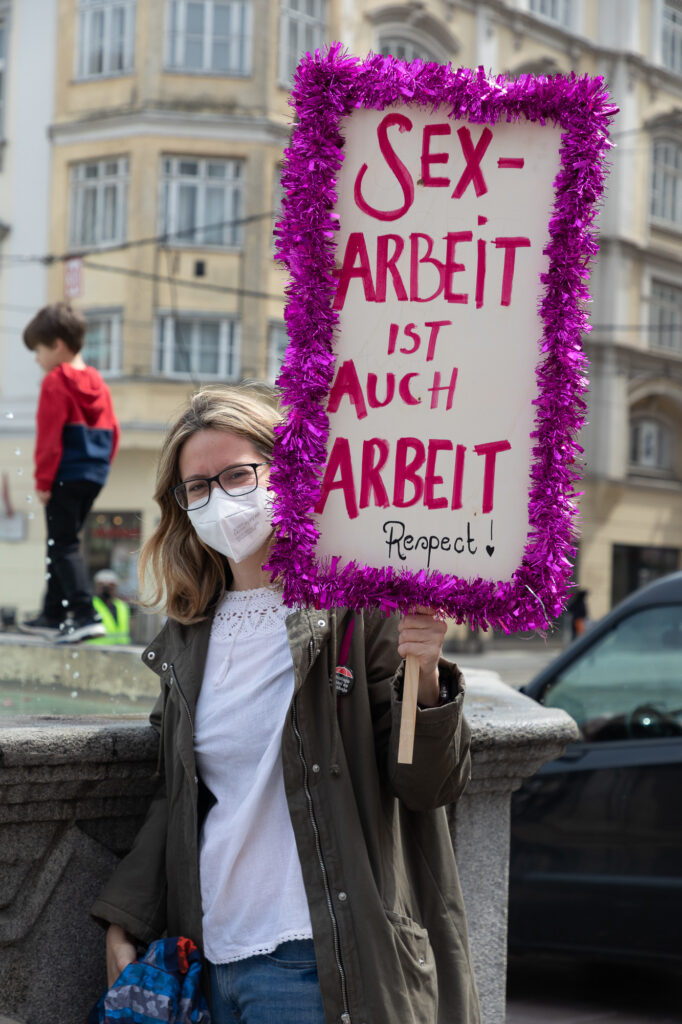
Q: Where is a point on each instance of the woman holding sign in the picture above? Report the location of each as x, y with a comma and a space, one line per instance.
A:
313, 870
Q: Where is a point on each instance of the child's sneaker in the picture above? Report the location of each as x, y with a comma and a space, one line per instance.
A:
83, 628
41, 625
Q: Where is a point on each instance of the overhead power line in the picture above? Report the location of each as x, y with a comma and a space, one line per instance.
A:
182, 282
162, 239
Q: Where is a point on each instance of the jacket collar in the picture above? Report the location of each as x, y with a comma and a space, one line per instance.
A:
184, 648
181, 649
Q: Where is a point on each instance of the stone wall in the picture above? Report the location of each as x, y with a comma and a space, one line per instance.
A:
74, 792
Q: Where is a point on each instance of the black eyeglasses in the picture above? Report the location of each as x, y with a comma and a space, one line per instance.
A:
234, 480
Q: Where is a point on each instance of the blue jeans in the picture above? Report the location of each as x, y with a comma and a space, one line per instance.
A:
277, 988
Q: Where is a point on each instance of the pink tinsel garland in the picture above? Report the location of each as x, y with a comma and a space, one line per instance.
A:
328, 86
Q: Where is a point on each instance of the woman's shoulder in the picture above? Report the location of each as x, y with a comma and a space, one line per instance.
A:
173, 637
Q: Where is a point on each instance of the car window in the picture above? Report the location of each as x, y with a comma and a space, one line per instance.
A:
628, 684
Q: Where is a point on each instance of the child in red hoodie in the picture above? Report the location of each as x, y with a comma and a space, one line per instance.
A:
77, 437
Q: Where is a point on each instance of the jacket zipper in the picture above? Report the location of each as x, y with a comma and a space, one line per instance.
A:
174, 679
345, 1017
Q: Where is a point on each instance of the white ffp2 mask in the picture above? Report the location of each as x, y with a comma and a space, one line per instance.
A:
237, 527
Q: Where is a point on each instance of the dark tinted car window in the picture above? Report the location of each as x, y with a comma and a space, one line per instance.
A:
628, 685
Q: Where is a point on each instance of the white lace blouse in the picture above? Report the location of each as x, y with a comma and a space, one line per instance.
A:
251, 883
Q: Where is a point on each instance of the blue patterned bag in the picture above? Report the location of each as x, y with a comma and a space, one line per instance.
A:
165, 986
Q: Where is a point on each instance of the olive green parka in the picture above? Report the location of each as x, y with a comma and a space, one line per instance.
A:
385, 903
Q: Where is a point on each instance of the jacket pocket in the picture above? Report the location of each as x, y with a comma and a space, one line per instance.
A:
418, 965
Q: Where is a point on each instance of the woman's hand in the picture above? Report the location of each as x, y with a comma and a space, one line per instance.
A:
121, 951
422, 635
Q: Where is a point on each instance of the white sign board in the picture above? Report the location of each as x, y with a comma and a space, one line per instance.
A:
443, 224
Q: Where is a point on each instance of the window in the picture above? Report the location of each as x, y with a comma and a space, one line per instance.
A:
627, 685
106, 34
3, 76
554, 10
666, 194
302, 28
202, 201
649, 444
210, 36
665, 317
634, 567
277, 346
672, 35
405, 49
99, 194
277, 192
102, 347
197, 346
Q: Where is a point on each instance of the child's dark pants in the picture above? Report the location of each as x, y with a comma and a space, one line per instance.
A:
65, 513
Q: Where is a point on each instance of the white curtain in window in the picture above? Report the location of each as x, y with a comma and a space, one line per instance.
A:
209, 347
214, 233
187, 213
194, 37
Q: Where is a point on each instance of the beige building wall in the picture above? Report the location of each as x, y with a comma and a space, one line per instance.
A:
146, 116
630, 525
154, 113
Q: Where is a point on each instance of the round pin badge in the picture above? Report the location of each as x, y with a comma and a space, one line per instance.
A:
344, 680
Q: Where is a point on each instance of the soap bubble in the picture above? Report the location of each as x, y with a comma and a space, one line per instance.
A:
20, 471
31, 515
17, 451
50, 543
9, 415
76, 675
29, 499
47, 576
74, 693
75, 655
48, 561
65, 603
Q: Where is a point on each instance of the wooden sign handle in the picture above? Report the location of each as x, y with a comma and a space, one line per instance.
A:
409, 711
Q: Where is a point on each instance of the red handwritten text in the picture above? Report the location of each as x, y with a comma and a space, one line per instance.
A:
406, 474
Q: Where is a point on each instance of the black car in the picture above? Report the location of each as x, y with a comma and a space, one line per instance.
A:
596, 835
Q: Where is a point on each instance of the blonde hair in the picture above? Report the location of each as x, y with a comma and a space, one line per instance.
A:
177, 572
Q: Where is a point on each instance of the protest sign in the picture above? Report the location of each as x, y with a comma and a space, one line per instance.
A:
438, 227
429, 451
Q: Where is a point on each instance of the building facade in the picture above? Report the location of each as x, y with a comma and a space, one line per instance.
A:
153, 155
27, 64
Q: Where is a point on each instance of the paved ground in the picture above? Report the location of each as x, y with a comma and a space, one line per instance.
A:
515, 662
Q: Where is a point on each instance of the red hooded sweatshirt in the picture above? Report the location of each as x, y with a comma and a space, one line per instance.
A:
77, 434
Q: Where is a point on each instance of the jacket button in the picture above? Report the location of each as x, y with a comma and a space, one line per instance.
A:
343, 896
164, 666
321, 622
151, 655
316, 768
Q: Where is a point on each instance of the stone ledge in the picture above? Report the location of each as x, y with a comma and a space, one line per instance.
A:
114, 670
505, 725
60, 740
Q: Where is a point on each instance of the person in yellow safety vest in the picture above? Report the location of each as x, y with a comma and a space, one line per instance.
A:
113, 610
